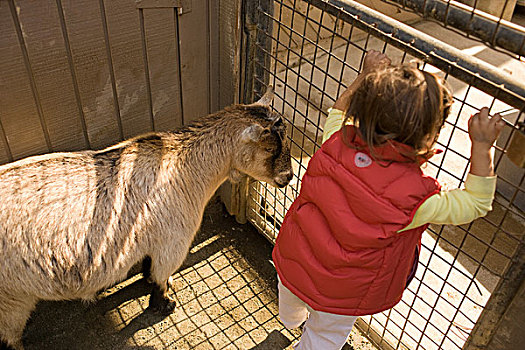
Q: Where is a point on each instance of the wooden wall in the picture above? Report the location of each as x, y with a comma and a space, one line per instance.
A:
79, 74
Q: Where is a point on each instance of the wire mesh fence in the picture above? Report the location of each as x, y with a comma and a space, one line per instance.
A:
310, 52
493, 22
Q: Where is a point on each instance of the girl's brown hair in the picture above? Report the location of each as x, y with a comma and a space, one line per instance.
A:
400, 103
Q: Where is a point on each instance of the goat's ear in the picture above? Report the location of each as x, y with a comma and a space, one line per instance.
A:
253, 133
267, 98
277, 122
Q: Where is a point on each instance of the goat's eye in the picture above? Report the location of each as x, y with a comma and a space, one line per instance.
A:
268, 149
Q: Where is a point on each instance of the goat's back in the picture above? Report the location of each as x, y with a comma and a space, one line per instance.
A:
62, 216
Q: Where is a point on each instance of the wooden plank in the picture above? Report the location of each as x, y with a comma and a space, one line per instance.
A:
18, 111
125, 41
229, 42
50, 67
88, 51
145, 4
194, 49
5, 151
214, 54
162, 62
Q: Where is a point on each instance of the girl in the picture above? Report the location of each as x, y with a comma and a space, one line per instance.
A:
349, 244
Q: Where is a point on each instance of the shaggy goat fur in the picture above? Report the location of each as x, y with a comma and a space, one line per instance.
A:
74, 223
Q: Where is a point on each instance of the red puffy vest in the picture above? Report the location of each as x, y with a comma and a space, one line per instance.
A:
338, 248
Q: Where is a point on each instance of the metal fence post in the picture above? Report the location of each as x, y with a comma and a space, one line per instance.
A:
253, 80
503, 317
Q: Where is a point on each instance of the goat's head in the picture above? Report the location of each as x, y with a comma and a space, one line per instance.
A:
263, 153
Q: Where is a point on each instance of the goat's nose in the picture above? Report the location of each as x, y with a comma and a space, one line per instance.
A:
286, 176
289, 175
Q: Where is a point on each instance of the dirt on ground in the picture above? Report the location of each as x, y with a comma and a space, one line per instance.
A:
226, 294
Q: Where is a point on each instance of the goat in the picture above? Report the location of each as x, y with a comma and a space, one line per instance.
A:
72, 224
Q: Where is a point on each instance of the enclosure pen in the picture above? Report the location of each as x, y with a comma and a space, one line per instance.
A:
85, 74
311, 51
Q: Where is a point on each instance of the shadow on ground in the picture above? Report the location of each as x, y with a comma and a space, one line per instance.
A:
119, 319
225, 292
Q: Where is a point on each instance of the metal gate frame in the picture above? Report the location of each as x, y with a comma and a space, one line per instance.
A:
258, 54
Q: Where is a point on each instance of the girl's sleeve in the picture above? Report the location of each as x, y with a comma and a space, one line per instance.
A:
333, 123
459, 206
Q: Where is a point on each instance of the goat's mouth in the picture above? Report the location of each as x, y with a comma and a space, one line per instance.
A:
280, 185
283, 178
281, 182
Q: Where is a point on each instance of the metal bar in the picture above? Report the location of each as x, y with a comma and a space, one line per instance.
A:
485, 77
176, 28
249, 44
499, 301
473, 22
264, 27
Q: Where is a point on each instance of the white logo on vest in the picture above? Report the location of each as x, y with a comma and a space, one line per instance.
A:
362, 160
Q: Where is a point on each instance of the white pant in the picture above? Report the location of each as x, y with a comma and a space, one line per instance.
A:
322, 330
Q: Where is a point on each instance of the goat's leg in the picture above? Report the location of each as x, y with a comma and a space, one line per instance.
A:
160, 301
13, 317
161, 270
146, 269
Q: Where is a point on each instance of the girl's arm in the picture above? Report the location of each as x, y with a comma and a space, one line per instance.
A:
483, 132
461, 206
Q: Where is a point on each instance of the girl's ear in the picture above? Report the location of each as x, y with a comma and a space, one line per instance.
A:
267, 98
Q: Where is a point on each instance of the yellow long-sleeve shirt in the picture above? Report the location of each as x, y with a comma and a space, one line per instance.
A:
457, 207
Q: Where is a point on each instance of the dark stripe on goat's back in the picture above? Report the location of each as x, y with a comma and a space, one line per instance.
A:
115, 151
148, 138
108, 156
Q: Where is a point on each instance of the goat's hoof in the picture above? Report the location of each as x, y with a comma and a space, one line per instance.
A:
165, 309
164, 306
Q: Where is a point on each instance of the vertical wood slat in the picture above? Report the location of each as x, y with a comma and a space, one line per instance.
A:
53, 80
5, 150
16, 98
125, 42
67, 47
162, 56
88, 50
116, 106
213, 55
229, 46
194, 50
146, 69
29, 69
